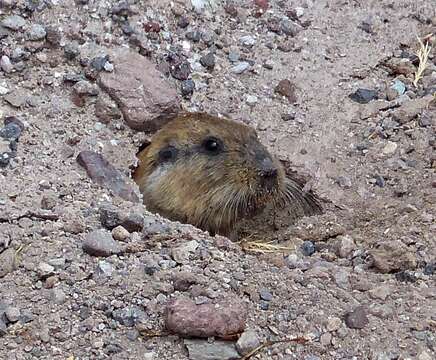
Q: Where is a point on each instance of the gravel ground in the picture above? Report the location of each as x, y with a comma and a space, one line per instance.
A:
88, 274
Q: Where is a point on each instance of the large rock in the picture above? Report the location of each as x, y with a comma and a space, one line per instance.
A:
7, 262
106, 175
146, 100
187, 319
411, 109
357, 319
111, 217
391, 256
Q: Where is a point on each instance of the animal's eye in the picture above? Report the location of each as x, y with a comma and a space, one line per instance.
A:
167, 154
212, 145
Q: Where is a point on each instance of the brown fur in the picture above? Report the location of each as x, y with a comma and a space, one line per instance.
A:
212, 192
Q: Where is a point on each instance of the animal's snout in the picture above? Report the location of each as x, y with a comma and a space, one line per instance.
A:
268, 173
267, 168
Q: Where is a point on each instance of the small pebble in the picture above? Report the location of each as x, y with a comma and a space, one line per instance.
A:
308, 248
5, 64
120, 233
100, 243
11, 131
289, 116
429, 269
84, 87
183, 22
287, 89
326, 339
264, 305
99, 62
290, 28
57, 263
58, 296
104, 268
390, 148
3, 329
187, 87
71, 50
265, 294
312, 357
37, 32
108, 67
132, 335
12, 314
233, 56
424, 355
426, 119
3, 90
7, 259
357, 319
150, 266
240, 67
194, 36
26, 316
247, 40
363, 96
380, 181
13, 22
333, 323
399, 87
268, 64
208, 60
344, 182
45, 270
251, 100
248, 341
152, 26
129, 316
344, 246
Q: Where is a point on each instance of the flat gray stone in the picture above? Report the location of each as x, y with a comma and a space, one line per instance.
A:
100, 243
218, 350
7, 262
13, 22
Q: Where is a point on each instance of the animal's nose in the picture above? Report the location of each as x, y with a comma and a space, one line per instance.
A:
267, 169
268, 174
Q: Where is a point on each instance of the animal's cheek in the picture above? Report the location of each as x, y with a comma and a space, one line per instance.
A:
153, 180
245, 176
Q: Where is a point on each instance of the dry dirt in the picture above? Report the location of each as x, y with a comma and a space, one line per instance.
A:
368, 289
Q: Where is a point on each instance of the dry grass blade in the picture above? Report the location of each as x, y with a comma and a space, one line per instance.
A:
19, 251
264, 247
298, 340
422, 53
153, 333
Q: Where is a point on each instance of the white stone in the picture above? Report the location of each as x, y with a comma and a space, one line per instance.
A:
390, 148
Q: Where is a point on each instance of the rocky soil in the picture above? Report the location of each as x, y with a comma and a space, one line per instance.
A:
87, 273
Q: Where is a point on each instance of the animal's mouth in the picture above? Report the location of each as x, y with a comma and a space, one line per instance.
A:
269, 184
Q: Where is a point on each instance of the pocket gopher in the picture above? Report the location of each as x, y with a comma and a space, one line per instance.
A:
212, 172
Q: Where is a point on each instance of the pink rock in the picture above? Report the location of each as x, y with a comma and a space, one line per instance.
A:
152, 26
105, 174
146, 100
185, 318
262, 4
